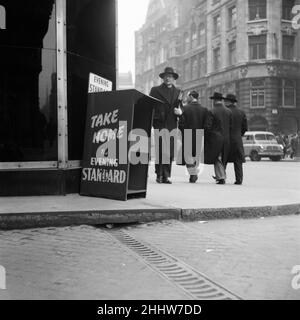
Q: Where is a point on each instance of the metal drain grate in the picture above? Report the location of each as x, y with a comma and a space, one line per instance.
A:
195, 284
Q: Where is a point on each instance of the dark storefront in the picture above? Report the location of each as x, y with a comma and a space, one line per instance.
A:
48, 48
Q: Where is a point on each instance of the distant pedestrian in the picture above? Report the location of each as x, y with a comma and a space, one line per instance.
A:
217, 146
238, 129
194, 118
165, 117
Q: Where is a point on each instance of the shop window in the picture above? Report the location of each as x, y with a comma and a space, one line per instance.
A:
257, 94
91, 42
28, 94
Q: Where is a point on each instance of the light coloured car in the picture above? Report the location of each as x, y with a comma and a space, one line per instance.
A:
262, 144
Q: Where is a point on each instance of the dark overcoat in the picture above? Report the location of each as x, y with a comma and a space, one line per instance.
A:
194, 117
238, 129
218, 134
164, 117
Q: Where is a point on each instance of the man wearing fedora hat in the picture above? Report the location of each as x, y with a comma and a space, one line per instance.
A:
223, 117
238, 129
165, 117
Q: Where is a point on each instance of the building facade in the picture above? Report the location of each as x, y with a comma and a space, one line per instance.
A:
47, 49
248, 47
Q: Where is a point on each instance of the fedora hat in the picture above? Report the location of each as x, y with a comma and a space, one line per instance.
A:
230, 97
217, 96
169, 70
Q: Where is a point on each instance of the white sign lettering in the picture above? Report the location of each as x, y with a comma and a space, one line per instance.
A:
98, 84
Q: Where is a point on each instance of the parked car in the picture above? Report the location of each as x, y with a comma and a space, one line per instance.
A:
262, 144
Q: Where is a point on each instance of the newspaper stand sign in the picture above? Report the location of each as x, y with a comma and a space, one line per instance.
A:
109, 144
98, 84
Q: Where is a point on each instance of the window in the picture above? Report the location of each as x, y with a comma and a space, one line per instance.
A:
186, 42
257, 9
201, 37
257, 47
28, 90
186, 70
194, 35
232, 17
195, 68
260, 137
173, 48
257, 94
202, 64
232, 53
287, 6
217, 24
288, 47
175, 17
217, 58
287, 95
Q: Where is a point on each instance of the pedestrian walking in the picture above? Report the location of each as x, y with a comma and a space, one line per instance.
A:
222, 116
194, 118
238, 128
165, 117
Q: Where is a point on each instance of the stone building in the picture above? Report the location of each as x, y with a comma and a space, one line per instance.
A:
250, 47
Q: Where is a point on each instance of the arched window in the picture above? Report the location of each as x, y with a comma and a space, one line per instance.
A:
194, 35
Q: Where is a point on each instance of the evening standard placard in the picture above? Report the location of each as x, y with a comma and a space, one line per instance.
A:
98, 84
108, 119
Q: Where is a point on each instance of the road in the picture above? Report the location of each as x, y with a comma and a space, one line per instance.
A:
235, 259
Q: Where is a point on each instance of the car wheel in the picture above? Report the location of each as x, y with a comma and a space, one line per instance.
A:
254, 156
275, 158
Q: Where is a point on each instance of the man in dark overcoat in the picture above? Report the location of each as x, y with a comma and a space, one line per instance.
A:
194, 117
238, 129
223, 118
165, 117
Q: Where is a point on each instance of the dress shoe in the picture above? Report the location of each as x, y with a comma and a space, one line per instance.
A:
214, 177
221, 181
238, 182
159, 180
193, 178
167, 181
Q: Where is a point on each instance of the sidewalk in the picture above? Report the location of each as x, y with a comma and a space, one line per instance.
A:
270, 188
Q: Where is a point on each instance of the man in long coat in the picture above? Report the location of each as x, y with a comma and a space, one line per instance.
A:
238, 129
223, 118
194, 117
165, 117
